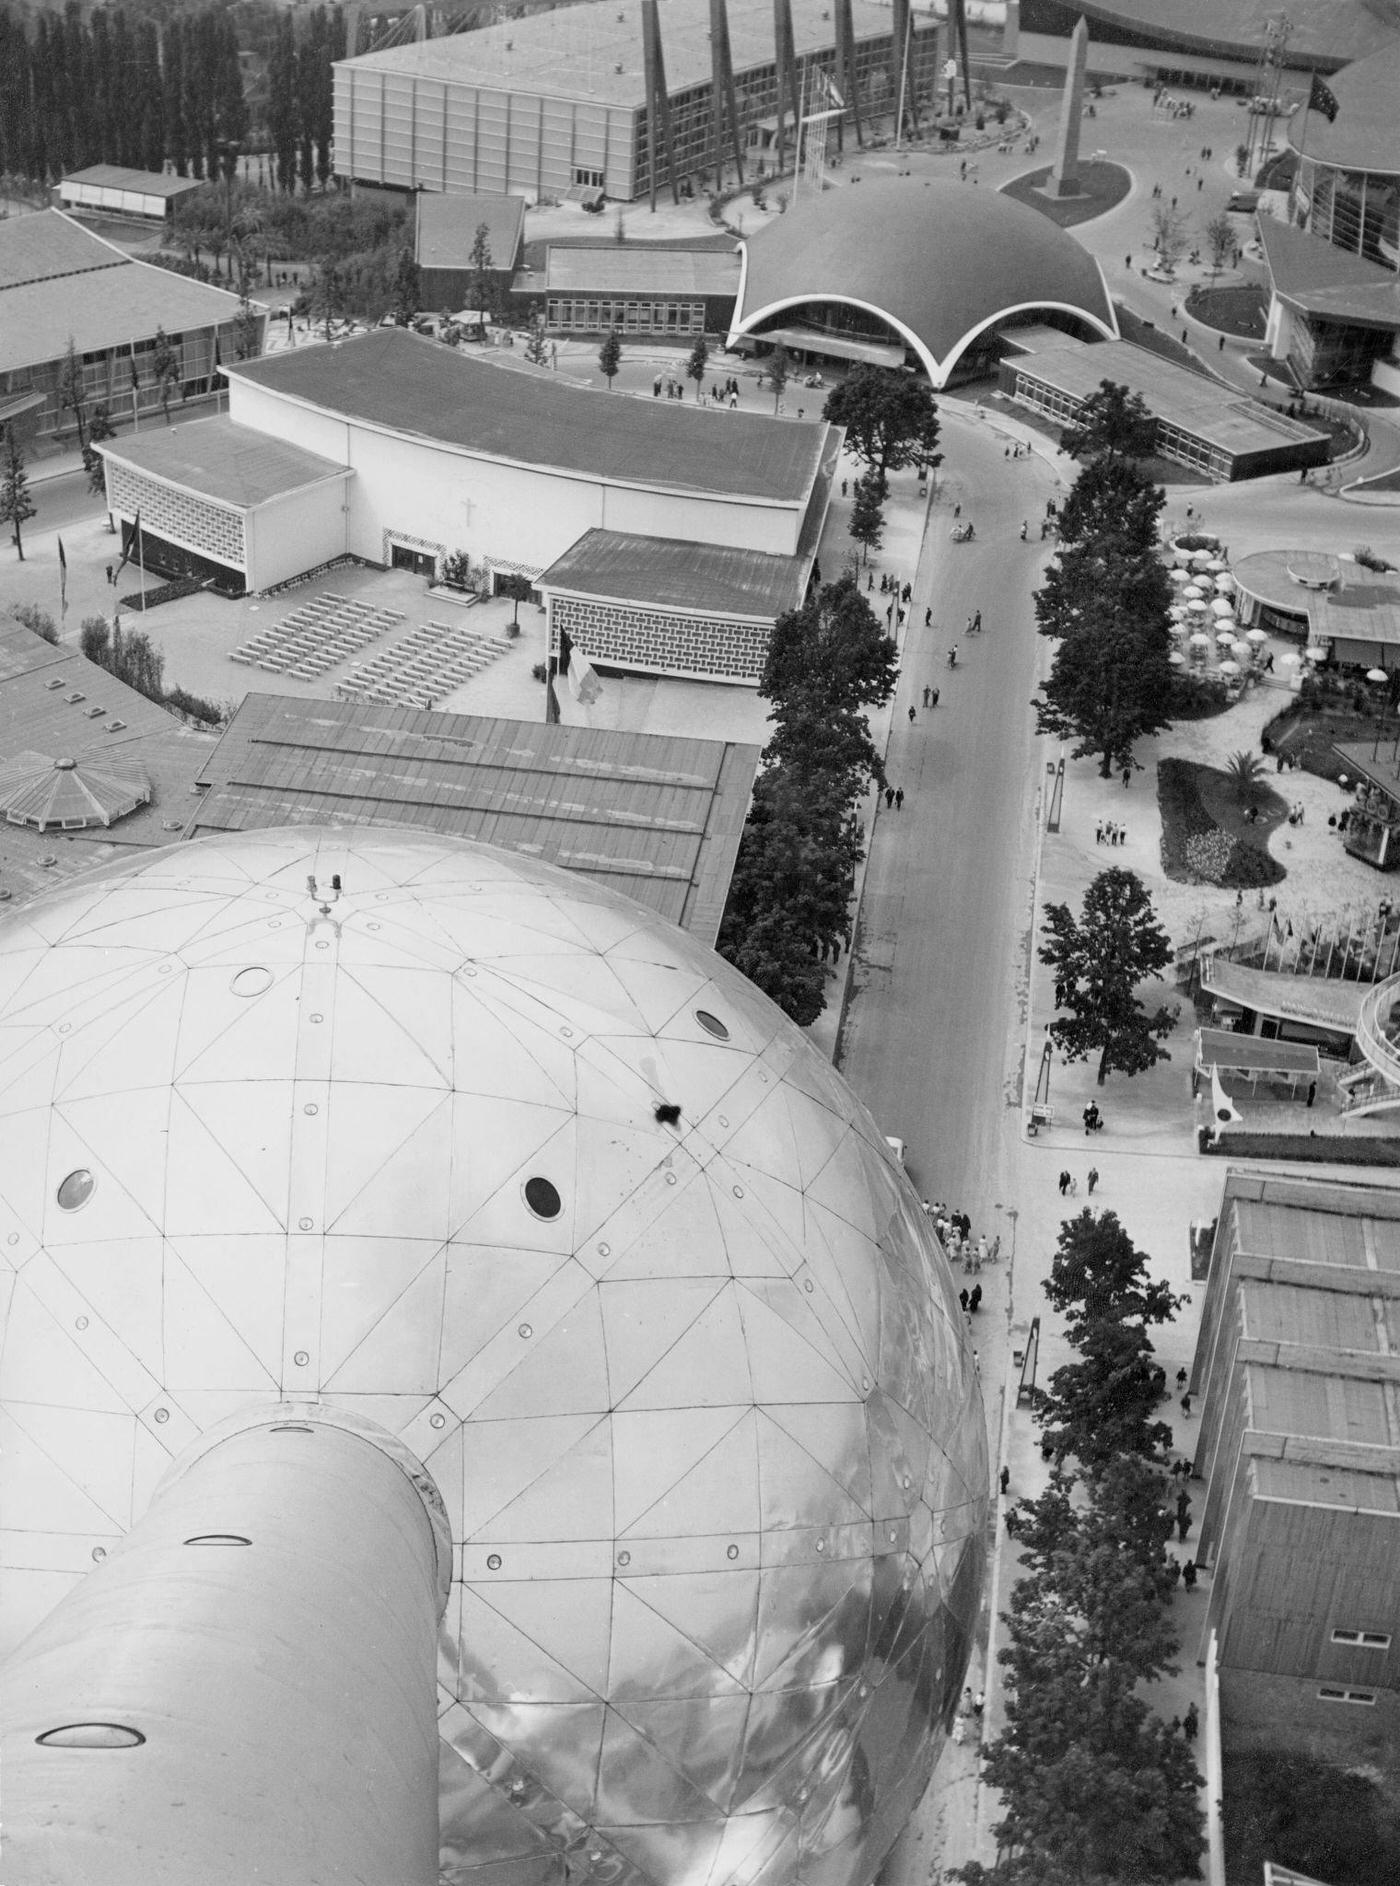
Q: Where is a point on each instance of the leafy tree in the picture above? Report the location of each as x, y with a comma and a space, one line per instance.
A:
517, 588
697, 363
1220, 241
1109, 684
1112, 502
408, 287
95, 639
100, 428
1169, 233
1098, 961
778, 367
537, 343
70, 392
165, 367
1112, 421
483, 288
327, 296
38, 621
247, 330
891, 419
1098, 1272
833, 645
610, 356
16, 505
867, 515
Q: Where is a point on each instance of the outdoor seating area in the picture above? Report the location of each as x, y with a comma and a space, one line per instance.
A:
316, 637
1208, 639
422, 668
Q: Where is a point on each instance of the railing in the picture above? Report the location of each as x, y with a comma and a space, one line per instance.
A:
1382, 1053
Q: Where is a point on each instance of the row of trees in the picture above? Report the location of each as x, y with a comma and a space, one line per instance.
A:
107, 87
1095, 1788
1106, 600
828, 663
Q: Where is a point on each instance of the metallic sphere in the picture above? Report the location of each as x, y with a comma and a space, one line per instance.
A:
387, 1122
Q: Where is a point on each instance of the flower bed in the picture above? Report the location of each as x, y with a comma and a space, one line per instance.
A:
1203, 828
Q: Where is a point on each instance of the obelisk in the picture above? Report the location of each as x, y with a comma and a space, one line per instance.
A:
1064, 173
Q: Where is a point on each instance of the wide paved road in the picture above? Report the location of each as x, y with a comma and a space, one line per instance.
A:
946, 903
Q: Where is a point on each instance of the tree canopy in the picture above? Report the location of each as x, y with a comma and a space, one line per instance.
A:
1099, 960
891, 419
833, 644
1112, 499
1113, 421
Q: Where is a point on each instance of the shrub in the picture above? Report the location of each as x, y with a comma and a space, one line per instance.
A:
1196, 849
38, 621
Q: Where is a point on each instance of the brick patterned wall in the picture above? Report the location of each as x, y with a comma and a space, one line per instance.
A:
179, 515
616, 635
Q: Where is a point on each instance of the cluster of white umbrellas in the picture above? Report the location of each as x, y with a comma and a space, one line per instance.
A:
1203, 608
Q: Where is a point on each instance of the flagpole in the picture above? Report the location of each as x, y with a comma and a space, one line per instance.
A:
1302, 146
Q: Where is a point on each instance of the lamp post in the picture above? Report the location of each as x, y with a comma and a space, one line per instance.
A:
229, 152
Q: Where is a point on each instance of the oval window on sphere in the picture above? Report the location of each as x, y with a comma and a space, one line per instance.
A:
91, 1735
712, 1024
75, 1191
254, 980
542, 1198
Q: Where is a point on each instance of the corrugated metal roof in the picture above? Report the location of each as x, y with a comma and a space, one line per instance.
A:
667, 574
657, 817
1326, 1486
447, 226
95, 294
1312, 274
1294, 1232
595, 52
38, 247
220, 460
1333, 1319
1193, 401
415, 386
1323, 1407
639, 268
141, 182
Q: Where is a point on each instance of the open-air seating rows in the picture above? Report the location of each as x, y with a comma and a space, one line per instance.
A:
316, 636
420, 669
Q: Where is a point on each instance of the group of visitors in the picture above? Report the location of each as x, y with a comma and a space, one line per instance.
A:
955, 1234
1110, 832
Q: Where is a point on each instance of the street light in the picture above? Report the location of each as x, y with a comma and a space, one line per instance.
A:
230, 149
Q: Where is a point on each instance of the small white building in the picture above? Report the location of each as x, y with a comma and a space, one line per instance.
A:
112, 190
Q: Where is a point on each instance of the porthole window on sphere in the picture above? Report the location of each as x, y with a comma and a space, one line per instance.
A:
75, 1191
712, 1024
542, 1198
91, 1735
254, 980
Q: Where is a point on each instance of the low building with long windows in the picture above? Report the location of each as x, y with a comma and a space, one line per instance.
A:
639, 288
61, 282
1299, 1451
1200, 423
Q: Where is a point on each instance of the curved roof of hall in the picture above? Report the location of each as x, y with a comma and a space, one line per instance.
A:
1323, 34
940, 262
408, 384
1366, 132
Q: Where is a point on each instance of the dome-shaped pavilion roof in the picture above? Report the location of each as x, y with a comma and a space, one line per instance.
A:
940, 262
71, 794
1364, 134
380, 1120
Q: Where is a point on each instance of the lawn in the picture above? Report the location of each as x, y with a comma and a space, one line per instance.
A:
1308, 734
1206, 838
1104, 185
1239, 309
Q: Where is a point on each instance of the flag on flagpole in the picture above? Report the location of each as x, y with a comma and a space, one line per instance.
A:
133, 538
62, 580
584, 684
1322, 98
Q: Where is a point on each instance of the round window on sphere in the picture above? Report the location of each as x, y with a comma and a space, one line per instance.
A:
91, 1735
542, 1198
75, 1191
712, 1024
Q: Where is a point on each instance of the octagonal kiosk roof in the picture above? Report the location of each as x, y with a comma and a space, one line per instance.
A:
940, 263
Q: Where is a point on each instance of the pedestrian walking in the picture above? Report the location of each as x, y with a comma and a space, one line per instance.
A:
843, 487
889, 798
1186, 1406
1073, 1187
1093, 1179
977, 622
933, 697
1181, 1379
1005, 1479
913, 714
1064, 1183
928, 617
109, 573
927, 692
1183, 1526
962, 1298
899, 798
1189, 1574
974, 1302
1191, 1723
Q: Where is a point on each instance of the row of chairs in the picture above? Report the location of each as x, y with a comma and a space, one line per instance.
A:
317, 637
422, 668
